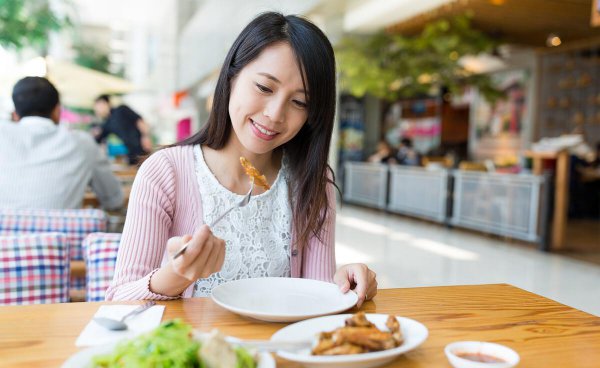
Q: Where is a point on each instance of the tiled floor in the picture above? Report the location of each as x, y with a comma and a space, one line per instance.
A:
407, 253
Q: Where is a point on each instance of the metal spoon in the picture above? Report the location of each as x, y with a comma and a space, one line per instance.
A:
119, 324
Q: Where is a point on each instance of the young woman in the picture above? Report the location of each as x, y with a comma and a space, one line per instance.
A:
274, 104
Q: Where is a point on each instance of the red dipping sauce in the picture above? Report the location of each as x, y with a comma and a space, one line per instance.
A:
478, 357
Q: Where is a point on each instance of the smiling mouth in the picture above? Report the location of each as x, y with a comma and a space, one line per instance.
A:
262, 129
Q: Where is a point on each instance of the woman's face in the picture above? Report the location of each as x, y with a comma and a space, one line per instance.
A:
268, 104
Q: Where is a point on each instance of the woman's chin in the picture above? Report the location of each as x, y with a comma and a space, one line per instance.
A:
258, 148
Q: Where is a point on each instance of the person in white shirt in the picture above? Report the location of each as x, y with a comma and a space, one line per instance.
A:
44, 165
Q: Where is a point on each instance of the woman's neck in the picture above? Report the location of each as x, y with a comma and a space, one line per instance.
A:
225, 165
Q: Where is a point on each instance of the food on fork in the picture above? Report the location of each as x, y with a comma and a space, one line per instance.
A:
253, 173
358, 336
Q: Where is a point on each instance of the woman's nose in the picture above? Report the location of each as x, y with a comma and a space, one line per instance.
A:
275, 111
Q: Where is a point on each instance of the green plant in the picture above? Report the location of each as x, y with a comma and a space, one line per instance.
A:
91, 57
392, 66
27, 23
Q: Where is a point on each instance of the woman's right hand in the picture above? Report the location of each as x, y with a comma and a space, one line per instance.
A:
203, 257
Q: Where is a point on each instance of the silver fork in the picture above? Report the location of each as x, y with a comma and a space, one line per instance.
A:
241, 203
270, 345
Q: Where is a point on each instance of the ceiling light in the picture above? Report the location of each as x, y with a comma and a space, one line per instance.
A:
553, 40
497, 2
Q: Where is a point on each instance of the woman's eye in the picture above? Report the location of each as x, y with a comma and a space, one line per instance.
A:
300, 104
263, 88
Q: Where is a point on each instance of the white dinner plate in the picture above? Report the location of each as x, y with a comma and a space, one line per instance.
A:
415, 333
282, 299
83, 358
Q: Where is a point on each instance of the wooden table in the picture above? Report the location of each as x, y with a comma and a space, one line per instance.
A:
124, 170
561, 192
91, 201
125, 174
544, 332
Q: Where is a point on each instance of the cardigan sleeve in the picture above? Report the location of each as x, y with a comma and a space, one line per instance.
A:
318, 258
146, 231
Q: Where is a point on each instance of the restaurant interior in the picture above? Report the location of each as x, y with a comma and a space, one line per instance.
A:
466, 154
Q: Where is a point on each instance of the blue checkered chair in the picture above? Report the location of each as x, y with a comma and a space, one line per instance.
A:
34, 268
101, 250
76, 224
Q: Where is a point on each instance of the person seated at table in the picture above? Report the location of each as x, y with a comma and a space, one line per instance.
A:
384, 154
406, 154
44, 165
274, 104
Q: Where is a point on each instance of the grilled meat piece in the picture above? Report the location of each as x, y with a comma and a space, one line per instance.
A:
370, 338
394, 326
252, 172
359, 320
344, 349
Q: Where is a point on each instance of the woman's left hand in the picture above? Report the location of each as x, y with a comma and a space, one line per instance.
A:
357, 277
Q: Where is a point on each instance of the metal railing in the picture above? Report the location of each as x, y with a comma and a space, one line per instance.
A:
502, 204
419, 192
366, 184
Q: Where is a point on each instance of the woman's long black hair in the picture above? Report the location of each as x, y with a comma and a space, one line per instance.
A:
307, 152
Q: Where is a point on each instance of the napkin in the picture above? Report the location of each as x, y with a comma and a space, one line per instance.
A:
94, 334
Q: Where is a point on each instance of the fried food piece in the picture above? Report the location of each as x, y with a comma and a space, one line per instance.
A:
394, 326
370, 338
325, 343
358, 336
344, 349
252, 172
359, 320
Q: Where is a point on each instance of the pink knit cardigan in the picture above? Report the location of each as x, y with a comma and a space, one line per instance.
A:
165, 202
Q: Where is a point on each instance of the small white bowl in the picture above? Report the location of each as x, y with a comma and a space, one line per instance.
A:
508, 355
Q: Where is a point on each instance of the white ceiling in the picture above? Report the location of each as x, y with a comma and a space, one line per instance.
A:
373, 15
206, 38
203, 43
120, 13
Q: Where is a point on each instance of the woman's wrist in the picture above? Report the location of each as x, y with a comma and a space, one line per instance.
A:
168, 283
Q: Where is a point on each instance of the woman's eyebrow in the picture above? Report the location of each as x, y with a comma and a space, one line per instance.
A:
274, 79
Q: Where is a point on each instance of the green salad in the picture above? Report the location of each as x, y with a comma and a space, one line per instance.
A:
171, 345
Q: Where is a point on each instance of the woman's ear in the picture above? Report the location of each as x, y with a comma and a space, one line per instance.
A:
55, 115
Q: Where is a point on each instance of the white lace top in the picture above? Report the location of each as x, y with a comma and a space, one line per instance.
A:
257, 236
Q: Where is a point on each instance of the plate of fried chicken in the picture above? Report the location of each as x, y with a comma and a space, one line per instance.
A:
346, 340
